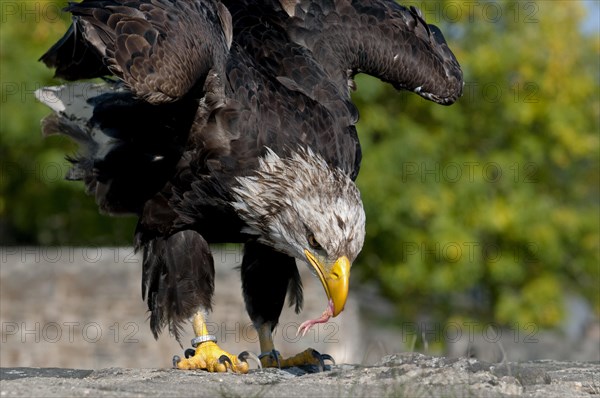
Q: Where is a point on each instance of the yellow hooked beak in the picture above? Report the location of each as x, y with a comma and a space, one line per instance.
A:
335, 279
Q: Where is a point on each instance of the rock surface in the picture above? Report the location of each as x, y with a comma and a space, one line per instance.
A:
410, 375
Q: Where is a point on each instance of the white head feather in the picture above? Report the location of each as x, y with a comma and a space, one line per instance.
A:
288, 199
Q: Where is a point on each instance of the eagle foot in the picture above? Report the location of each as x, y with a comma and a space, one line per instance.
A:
308, 357
209, 356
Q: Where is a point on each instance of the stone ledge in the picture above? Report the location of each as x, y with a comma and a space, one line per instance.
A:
411, 374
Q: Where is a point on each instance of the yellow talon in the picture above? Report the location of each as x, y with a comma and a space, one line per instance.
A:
209, 356
270, 358
306, 357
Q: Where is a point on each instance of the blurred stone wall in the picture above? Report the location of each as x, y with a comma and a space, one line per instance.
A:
82, 308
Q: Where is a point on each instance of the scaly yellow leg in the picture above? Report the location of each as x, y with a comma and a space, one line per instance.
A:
209, 356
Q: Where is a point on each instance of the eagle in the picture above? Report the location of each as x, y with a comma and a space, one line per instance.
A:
231, 121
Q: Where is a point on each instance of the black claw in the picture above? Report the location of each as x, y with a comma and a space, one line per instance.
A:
327, 357
319, 357
275, 354
223, 359
245, 355
190, 352
176, 360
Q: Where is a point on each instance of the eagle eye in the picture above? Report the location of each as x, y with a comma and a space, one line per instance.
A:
313, 242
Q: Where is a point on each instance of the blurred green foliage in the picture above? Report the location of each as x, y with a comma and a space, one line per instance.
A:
488, 209
485, 210
36, 205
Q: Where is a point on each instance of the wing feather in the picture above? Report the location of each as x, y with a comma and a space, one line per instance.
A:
162, 49
380, 38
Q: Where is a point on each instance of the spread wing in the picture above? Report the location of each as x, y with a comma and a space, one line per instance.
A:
160, 49
379, 38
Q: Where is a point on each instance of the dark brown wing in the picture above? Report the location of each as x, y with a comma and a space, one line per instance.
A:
74, 58
161, 49
380, 38
279, 97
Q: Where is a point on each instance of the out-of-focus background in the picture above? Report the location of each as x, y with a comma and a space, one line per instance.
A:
482, 217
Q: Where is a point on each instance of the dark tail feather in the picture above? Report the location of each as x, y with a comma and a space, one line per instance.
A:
128, 148
177, 280
82, 165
